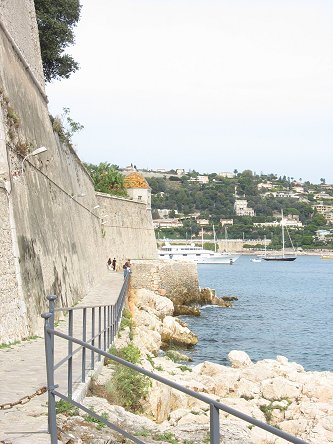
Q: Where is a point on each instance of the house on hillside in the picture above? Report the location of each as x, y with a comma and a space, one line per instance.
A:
241, 208
224, 222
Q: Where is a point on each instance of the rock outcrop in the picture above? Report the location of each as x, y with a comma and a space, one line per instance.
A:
276, 391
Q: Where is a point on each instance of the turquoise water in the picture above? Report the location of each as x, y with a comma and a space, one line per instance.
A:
284, 308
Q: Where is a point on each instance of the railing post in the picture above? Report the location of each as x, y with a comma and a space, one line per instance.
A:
70, 357
52, 298
92, 337
99, 331
113, 320
214, 425
49, 354
84, 339
104, 331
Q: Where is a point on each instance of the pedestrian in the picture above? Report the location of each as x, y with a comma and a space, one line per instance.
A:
109, 262
114, 262
127, 268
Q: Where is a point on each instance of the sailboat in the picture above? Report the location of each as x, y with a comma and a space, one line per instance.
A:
283, 257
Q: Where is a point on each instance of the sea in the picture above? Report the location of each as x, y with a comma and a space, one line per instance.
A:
283, 308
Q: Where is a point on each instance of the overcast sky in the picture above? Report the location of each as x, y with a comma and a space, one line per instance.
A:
210, 85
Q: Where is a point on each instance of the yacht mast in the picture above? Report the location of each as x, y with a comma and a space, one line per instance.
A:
282, 223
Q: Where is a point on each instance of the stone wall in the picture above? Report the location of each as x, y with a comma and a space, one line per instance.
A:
18, 19
179, 279
51, 236
127, 229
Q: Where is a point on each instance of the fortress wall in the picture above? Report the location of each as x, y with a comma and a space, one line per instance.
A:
52, 240
19, 20
178, 278
128, 229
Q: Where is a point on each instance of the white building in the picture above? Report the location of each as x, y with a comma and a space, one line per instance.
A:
241, 208
167, 223
224, 222
226, 174
200, 179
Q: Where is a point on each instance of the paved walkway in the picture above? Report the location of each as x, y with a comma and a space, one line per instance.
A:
22, 372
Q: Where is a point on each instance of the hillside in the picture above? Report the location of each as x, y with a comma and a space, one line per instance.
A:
249, 205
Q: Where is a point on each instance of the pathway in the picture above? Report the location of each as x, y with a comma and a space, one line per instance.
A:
22, 372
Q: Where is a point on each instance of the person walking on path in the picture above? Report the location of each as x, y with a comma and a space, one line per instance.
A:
109, 263
127, 268
114, 262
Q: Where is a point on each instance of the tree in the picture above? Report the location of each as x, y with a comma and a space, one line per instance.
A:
107, 178
56, 20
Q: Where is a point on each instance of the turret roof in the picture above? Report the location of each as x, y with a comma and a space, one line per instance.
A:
135, 180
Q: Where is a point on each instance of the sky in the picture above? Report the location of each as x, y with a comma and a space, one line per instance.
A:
206, 85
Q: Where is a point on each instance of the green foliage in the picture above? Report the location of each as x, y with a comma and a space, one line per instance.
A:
128, 387
144, 433
268, 409
126, 320
107, 178
184, 368
99, 424
173, 355
66, 408
167, 437
65, 126
56, 20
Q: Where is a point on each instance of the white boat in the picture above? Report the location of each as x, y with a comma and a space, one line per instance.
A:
283, 257
255, 259
195, 254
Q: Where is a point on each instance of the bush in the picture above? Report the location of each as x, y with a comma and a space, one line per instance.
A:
128, 387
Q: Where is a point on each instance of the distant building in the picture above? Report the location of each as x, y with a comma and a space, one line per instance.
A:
323, 234
180, 171
167, 223
164, 212
203, 222
200, 179
241, 208
323, 195
226, 222
138, 188
326, 211
265, 185
226, 174
298, 189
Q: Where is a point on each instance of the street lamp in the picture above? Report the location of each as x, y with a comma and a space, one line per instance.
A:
34, 153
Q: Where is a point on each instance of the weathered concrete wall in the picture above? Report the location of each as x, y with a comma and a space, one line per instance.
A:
179, 279
52, 240
127, 229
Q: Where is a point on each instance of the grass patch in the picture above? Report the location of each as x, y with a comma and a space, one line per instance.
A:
268, 409
184, 368
99, 424
173, 355
127, 387
167, 437
66, 408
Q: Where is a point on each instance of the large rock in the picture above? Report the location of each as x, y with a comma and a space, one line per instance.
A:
239, 359
173, 332
279, 388
161, 305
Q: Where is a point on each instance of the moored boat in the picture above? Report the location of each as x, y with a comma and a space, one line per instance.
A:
283, 257
195, 254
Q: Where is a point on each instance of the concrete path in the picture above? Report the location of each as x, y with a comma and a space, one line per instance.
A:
22, 372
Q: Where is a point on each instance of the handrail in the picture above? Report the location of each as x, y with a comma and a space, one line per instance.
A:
215, 406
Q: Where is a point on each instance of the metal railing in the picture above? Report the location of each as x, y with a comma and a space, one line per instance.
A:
108, 322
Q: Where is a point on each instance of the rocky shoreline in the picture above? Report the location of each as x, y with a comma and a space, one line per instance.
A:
276, 391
